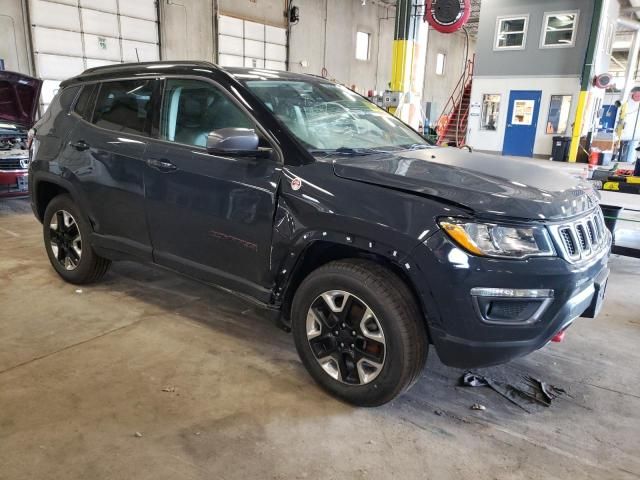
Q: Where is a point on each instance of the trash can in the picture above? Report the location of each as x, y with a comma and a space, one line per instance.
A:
611, 214
560, 149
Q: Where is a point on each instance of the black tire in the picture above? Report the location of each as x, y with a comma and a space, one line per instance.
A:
396, 311
90, 266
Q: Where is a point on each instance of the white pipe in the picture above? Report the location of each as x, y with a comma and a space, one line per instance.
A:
632, 59
629, 23
632, 66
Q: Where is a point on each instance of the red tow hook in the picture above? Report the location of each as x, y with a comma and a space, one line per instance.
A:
559, 336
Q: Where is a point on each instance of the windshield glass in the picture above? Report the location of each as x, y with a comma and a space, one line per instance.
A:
325, 116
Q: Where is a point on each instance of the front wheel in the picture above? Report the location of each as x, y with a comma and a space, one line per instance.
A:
359, 332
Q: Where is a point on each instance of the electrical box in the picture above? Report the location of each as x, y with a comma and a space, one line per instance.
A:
390, 99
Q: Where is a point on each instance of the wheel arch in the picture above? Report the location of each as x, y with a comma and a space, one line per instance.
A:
320, 252
46, 187
45, 191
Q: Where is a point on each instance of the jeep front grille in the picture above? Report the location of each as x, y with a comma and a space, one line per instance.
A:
10, 164
582, 238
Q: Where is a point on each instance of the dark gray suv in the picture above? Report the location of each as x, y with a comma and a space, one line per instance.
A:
369, 243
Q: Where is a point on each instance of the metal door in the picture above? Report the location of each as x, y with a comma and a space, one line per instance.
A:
522, 122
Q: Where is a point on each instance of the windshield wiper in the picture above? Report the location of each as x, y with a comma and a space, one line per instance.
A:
347, 151
418, 146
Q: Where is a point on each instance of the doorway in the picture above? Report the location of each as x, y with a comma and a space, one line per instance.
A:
522, 122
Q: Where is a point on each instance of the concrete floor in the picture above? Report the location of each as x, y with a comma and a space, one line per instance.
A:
217, 392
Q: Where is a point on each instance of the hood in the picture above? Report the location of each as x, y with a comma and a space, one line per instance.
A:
19, 95
513, 188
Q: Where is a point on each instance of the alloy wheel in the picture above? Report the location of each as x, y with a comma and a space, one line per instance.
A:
346, 337
65, 239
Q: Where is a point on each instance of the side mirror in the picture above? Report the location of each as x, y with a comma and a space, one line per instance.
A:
234, 142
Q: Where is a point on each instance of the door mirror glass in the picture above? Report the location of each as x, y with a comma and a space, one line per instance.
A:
229, 141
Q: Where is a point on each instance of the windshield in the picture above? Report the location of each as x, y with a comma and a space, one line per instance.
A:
329, 117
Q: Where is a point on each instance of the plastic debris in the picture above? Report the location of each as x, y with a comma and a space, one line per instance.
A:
477, 406
531, 391
137, 434
169, 389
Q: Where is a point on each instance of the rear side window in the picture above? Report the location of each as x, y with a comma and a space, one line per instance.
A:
84, 104
125, 106
67, 96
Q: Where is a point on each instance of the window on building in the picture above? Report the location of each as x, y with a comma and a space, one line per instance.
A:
559, 29
362, 45
490, 112
124, 106
441, 60
523, 111
559, 110
511, 32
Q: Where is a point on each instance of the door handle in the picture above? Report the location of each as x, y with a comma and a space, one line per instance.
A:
80, 145
162, 165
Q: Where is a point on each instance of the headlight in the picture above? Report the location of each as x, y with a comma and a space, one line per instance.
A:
503, 241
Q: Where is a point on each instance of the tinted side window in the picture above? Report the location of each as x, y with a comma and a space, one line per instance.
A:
84, 104
67, 96
124, 106
192, 109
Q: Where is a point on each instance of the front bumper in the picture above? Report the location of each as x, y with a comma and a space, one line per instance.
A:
445, 275
14, 183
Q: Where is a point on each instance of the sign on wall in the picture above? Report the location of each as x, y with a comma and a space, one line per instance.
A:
474, 109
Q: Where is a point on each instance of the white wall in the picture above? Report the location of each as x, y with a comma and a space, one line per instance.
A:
492, 141
438, 88
187, 30
188, 33
343, 19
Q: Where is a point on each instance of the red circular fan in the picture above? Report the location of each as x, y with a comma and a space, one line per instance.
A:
447, 16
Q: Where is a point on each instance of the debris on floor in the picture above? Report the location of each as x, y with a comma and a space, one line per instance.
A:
169, 389
477, 406
526, 393
137, 434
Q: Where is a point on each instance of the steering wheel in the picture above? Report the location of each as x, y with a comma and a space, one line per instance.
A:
345, 128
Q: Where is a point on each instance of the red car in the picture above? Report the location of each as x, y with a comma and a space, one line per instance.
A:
19, 96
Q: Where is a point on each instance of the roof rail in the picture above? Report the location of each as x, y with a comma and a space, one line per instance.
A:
123, 66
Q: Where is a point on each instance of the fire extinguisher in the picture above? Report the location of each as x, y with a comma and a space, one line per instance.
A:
447, 16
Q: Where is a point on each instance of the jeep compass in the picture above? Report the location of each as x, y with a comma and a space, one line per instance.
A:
370, 244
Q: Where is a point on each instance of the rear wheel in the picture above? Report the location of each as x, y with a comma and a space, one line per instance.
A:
66, 233
359, 331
